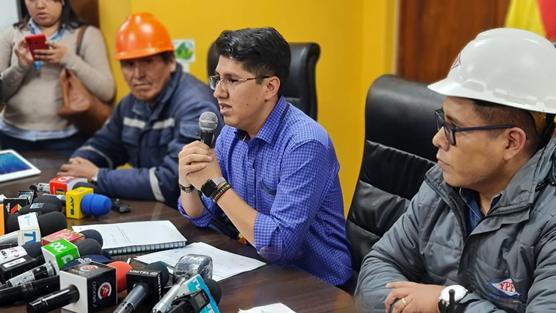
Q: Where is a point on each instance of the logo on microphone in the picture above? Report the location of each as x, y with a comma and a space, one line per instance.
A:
88, 268
104, 291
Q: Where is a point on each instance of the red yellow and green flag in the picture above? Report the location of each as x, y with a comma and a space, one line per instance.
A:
538, 16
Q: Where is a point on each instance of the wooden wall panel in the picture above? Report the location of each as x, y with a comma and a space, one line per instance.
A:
432, 32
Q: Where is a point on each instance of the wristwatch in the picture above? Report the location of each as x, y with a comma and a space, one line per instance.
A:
94, 179
449, 299
210, 188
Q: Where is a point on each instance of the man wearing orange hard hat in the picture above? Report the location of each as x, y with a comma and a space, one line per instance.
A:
150, 125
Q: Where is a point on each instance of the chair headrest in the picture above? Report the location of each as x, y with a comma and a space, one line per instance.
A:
400, 114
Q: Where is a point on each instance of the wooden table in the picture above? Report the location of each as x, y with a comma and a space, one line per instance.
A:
268, 284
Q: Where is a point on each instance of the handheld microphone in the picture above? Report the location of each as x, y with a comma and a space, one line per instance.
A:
187, 267
81, 202
56, 255
48, 223
86, 287
208, 122
142, 285
32, 249
43, 204
72, 236
201, 300
59, 185
30, 290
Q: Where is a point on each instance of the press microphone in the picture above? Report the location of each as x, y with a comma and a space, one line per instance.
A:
73, 236
32, 249
187, 289
201, 296
43, 204
56, 255
86, 287
59, 185
30, 290
187, 267
48, 223
208, 122
81, 202
145, 284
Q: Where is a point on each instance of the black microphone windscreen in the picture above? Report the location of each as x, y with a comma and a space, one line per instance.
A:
47, 199
93, 234
215, 289
33, 249
51, 222
11, 223
159, 266
40, 208
208, 121
84, 184
88, 246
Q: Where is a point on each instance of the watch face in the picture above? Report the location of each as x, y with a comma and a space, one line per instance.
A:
208, 188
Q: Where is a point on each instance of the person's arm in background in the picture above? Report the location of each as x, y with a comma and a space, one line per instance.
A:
397, 249
13, 73
91, 66
159, 182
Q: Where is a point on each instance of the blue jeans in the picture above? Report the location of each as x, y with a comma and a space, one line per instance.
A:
63, 145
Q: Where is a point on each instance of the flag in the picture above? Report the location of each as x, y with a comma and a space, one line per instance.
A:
538, 16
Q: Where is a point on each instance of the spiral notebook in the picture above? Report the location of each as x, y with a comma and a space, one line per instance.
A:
137, 237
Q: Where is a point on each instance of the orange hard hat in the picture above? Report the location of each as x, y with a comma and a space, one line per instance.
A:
141, 35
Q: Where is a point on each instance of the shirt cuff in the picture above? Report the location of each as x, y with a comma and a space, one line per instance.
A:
201, 221
267, 244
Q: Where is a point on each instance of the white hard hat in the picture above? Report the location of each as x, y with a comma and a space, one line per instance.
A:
507, 66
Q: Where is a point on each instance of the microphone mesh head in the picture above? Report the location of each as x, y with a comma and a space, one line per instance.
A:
51, 222
208, 121
159, 266
88, 246
121, 270
191, 264
93, 234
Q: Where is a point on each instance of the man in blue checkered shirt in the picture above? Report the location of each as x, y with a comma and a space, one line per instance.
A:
273, 172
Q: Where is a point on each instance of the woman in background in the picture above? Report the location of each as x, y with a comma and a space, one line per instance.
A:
30, 88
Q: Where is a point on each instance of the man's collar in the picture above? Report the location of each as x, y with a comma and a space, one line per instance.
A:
272, 123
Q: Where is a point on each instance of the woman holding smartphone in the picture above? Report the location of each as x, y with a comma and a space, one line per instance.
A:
30, 88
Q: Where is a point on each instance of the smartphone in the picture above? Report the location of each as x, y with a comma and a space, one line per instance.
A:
35, 42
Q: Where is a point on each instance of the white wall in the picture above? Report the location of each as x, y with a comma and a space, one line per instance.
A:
8, 13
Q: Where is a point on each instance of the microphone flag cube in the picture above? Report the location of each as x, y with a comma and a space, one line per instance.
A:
59, 253
197, 283
59, 185
73, 202
96, 284
67, 234
29, 230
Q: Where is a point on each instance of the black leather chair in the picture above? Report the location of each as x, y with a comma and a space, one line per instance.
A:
399, 126
300, 87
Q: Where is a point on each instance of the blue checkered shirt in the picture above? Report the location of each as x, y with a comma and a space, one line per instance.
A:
289, 174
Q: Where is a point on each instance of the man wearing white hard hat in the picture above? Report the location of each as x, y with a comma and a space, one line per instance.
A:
480, 235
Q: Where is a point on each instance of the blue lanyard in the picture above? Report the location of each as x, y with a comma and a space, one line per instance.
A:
34, 29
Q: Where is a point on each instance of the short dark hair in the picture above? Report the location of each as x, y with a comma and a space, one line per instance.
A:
262, 51
495, 113
68, 17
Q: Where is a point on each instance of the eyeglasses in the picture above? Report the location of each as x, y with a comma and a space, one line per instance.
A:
227, 82
450, 130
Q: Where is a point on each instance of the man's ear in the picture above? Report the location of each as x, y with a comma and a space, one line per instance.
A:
173, 65
272, 86
516, 140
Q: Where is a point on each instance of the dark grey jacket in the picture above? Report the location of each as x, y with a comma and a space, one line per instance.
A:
508, 262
